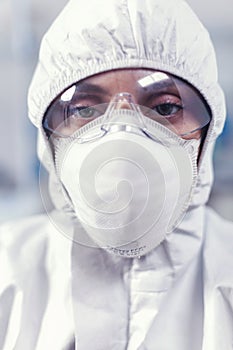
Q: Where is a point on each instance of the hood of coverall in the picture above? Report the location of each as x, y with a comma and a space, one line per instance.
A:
97, 36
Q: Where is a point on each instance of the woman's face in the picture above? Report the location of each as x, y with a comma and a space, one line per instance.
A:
162, 97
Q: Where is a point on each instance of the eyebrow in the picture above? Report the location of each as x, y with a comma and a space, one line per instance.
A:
87, 87
163, 84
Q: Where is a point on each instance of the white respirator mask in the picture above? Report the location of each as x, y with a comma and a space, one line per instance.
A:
128, 177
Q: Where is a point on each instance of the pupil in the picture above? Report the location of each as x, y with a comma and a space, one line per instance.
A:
86, 112
165, 109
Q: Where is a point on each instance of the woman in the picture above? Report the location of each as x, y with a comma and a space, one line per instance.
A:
128, 107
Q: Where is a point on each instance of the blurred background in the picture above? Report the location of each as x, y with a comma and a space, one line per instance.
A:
22, 24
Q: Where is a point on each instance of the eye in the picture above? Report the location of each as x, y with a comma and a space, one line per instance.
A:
167, 109
83, 112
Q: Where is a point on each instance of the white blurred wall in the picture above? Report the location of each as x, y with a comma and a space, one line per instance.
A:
22, 24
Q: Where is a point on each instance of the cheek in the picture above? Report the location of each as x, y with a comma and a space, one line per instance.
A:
71, 128
81, 122
194, 135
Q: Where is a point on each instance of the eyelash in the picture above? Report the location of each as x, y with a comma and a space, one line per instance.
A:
161, 108
90, 111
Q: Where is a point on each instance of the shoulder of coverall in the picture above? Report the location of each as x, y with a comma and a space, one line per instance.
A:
218, 251
18, 239
26, 246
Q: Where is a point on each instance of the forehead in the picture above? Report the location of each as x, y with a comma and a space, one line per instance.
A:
139, 82
129, 79
124, 74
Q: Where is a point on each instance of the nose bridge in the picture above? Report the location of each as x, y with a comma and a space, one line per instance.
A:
123, 100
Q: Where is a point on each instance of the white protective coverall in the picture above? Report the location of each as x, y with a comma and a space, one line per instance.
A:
59, 295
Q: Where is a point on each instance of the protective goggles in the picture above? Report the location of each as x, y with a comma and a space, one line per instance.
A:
161, 97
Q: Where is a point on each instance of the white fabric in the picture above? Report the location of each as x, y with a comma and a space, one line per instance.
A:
177, 297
